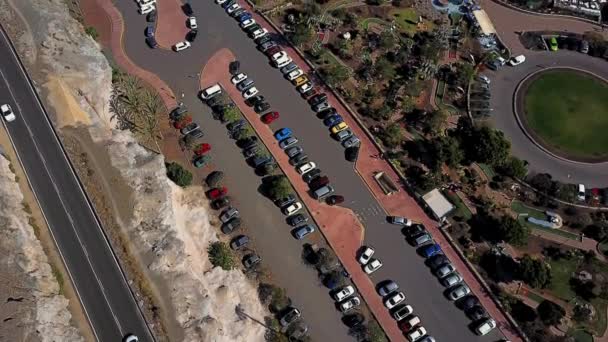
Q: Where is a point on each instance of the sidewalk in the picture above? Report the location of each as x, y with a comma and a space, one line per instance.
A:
339, 225
586, 245
170, 23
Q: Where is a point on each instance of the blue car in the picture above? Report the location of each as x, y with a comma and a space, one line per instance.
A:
430, 250
282, 133
244, 16
332, 120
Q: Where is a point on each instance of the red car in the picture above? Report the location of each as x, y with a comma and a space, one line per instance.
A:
272, 51
334, 199
270, 117
202, 149
217, 193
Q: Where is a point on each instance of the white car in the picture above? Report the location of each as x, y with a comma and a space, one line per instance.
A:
484, 79
251, 92
372, 266
517, 60
394, 300
220, 2
259, 33
238, 78
304, 168
131, 338
232, 8
292, 209
295, 74
192, 22
145, 2
416, 334
350, 304
279, 55
247, 23
7, 113
304, 87
145, 9
366, 255
344, 293
485, 327
283, 62
181, 46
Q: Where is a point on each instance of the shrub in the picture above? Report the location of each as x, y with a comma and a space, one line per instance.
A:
178, 174
221, 255
91, 31
214, 178
550, 313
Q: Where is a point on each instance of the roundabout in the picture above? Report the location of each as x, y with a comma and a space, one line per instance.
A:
559, 136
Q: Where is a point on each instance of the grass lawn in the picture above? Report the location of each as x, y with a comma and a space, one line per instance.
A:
520, 208
569, 111
581, 336
561, 271
364, 24
461, 209
487, 169
535, 297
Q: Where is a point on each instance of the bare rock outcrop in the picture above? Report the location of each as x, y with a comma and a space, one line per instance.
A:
34, 309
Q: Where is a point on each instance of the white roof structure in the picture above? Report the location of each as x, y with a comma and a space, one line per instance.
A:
439, 205
484, 22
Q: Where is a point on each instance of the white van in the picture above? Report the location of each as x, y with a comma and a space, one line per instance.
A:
210, 92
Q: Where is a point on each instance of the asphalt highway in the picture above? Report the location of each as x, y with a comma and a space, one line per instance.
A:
401, 263
92, 266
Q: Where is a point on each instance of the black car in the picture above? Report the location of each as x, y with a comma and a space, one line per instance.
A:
261, 107
476, 313
311, 175
252, 101
353, 320
231, 225
151, 17
151, 42
414, 230
317, 99
235, 125
299, 159
215, 101
187, 10
237, 13
248, 142
251, 260
467, 303
250, 152
437, 260
149, 31
258, 161
267, 45
177, 112
228, 4
267, 169
318, 182
351, 153
191, 36
239, 241
263, 40
220, 203
334, 199
250, 29
285, 201
297, 219
325, 113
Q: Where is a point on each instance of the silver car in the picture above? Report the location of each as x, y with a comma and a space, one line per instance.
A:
228, 214
444, 270
458, 292
451, 280
293, 151
288, 142
387, 288
352, 141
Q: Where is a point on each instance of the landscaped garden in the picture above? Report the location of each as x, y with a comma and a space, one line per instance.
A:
568, 112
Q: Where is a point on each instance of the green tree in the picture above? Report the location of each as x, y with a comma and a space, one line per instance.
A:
434, 122
534, 272
384, 69
231, 114
273, 331
345, 47
91, 31
512, 231
387, 40
336, 74
550, 313
221, 255
446, 149
464, 74
303, 34
277, 187
487, 145
375, 332
214, 179
178, 174
408, 104
514, 167
392, 135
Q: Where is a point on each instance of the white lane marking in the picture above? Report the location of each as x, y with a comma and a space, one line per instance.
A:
41, 155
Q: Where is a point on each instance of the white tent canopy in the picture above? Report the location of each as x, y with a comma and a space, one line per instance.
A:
484, 22
439, 205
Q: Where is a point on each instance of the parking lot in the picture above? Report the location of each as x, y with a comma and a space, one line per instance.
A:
401, 263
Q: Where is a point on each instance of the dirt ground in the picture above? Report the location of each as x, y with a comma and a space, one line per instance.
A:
79, 319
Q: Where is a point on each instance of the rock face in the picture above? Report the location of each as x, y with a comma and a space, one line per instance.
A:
33, 303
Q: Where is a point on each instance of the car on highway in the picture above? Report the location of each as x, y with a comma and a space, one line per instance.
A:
451, 280
302, 232
399, 220
201, 161
444, 270
239, 242
517, 60
228, 214
285, 201
259, 33
332, 120
402, 311
296, 220
7, 113
238, 78
250, 92
292, 208
344, 293
232, 225
251, 260
220, 203
430, 250
350, 304
350, 142
372, 266
365, 255
394, 299
334, 199
293, 151
183, 45
192, 22
387, 287
409, 323
290, 316
285, 143
270, 117
416, 334
307, 167
485, 327
338, 128
282, 133
458, 292
292, 75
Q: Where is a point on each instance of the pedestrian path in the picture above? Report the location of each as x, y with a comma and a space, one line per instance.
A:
170, 23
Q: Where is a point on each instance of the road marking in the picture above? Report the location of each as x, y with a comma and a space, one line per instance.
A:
63, 205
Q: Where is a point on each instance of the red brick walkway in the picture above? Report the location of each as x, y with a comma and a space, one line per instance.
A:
339, 225
171, 23
108, 21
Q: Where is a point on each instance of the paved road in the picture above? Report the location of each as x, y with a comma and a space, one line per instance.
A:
505, 81
103, 291
217, 30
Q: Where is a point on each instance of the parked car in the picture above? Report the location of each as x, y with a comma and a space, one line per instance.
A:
285, 143
151, 17
250, 152
304, 88
399, 220
517, 60
151, 42
149, 31
192, 22
469, 302
233, 8
344, 293
183, 45
272, 51
246, 23
422, 239
269, 117
477, 313
232, 225
451, 280
237, 12
351, 153
402, 311
458, 292
293, 151
298, 159
485, 327
248, 142
350, 304
262, 40
289, 68
292, 75
350, 142
310, 176
387, 287
444, 270
285, 201
252, 101
191, 35
236, 125
189, 128
282, 133
201, 161
250, 92
414, 230
339, 127
437, 261
297, 333
353, 320
303, 231
292, 208
321, 107
296, 219
409, 323
251, 260
244, 85
318, 182
261, 107
220, 203
334, 199
394, 299
266, 46
289, 317
317, 99
259, 33
229, 214
416, 334
372, 266
196, 134
304, 168
332, 120
430, 250
300, 80
239, 242
343, 135
238, 78
366, 255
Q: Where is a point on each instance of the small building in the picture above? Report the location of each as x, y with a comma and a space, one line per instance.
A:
439, 206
